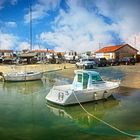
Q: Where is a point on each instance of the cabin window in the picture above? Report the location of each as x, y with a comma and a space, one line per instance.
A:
96, 78
85, 80
79, 78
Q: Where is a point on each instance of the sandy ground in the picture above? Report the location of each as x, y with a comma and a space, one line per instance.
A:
131, 72
131, 77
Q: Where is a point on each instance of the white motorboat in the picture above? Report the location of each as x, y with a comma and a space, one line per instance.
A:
22, 76
87, 86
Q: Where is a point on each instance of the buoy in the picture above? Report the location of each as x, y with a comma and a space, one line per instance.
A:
1, 78
1, 74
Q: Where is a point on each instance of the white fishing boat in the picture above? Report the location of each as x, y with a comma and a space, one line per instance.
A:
87, 86
22, 76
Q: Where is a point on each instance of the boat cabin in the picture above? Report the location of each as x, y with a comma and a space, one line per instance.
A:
86, 79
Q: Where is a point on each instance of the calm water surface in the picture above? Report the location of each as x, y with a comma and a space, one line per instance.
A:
25, 114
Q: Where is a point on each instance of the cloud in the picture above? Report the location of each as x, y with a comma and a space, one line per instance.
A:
37, 47
125, 15
3, 3
78, 29
11, 24
24, 46
83, 25
89, 23
8, 41
134, 40
40, 9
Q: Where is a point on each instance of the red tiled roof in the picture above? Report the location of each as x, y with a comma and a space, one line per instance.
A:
111, 48
62, 53
43, 51
6, 51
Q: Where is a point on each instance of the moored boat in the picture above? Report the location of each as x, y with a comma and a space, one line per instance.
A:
22, 76
87, 86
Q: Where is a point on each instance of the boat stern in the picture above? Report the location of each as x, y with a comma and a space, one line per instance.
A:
112, 87
59, 95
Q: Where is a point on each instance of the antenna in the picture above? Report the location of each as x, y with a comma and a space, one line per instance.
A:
100, 45
0, 38
135, 41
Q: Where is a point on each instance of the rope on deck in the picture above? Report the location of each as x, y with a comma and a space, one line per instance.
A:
111, 126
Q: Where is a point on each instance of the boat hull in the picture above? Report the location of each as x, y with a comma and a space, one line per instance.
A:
70, 96
22, 77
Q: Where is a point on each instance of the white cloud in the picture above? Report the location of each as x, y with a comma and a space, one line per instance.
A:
2, 3
83, 28
125, 14
37, 47
12, 42
78, 30
134, 41
8, 41
40, 9
24, 46
11, 24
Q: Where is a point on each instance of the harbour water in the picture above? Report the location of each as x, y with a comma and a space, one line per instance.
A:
26, 115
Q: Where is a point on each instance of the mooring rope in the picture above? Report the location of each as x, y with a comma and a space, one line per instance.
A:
113, 127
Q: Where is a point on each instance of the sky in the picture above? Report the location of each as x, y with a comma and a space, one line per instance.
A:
64, 25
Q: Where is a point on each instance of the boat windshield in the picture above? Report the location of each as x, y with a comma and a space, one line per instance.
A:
79, 78
82, 80
96, 78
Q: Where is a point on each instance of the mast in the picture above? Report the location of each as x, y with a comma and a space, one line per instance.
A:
30, 11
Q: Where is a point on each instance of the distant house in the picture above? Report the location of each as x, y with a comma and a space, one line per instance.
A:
44, 54
118, 51
71, 56
6, 56
28, 57
6, 53
60, 54
86, 54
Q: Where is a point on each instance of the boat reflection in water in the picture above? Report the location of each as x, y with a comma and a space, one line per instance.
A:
77, 114
22, 87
